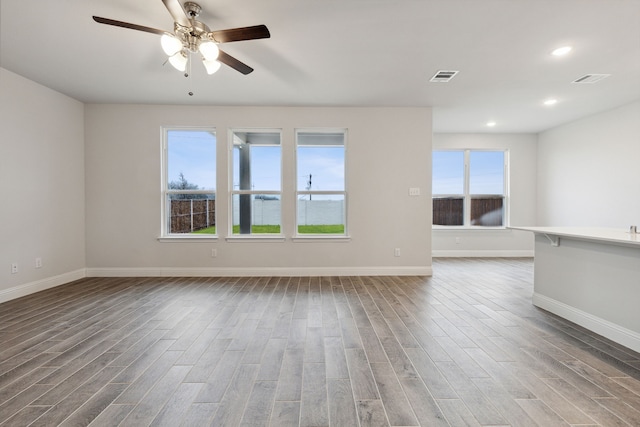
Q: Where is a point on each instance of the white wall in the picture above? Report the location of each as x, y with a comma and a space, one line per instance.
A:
589, 171
42, 186
522, 179
388, 151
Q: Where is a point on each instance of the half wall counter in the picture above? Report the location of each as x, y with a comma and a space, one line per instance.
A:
590, 276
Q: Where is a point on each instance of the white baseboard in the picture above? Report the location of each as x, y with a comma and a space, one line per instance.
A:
259, 271
614, 332
40, 285
482, 254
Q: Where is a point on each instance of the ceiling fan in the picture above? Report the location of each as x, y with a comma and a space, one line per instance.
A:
192, 36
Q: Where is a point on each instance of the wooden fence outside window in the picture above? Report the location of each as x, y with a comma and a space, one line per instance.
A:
188, 215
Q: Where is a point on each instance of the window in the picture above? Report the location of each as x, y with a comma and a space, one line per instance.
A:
469, 188
320, 192
189, 183
257, 182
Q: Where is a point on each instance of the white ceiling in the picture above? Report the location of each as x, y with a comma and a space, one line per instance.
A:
346, 53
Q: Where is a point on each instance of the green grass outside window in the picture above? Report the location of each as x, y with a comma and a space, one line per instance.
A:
275, 229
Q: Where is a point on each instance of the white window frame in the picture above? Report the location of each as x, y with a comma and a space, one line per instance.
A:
467, 196
165, 208
343, 193
232, 192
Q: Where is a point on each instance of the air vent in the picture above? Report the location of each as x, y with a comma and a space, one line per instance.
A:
591, 78
443, 76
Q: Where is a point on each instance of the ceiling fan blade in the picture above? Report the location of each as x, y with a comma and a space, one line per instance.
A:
243, 33
232, 62
128, 25
177, 12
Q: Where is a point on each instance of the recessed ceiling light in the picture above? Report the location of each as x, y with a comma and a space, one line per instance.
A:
550, 101
491, 124
561, 51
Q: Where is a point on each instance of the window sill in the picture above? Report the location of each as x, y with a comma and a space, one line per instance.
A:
320, 238
255, 238
188, 238
461, 228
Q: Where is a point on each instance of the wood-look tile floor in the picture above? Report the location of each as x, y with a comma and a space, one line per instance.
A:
462, 348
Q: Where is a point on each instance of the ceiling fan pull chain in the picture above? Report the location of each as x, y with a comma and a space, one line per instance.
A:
187, 71
188, 74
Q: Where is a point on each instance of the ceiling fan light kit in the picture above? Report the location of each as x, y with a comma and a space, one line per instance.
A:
209, 50
211, 66
170, 44
178, 49
192, 36
179, 61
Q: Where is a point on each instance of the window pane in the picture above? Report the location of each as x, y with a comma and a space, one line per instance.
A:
256, 169
448, 172
190, 166
256, 161
320, 161
265, 168
487, 211
190, 213
321, 214
256, 213
448, 211
486, 172
191, 160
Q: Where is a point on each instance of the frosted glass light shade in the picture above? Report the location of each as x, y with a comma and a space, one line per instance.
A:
170, 44
209, 50
211, 66
179, 61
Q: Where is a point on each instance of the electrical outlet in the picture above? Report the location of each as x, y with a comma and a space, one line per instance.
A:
214, 253
396, 252
457, 240
38, 262
14, 267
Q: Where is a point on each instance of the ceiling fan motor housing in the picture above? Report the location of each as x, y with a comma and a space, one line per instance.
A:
192, 9
191, 37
